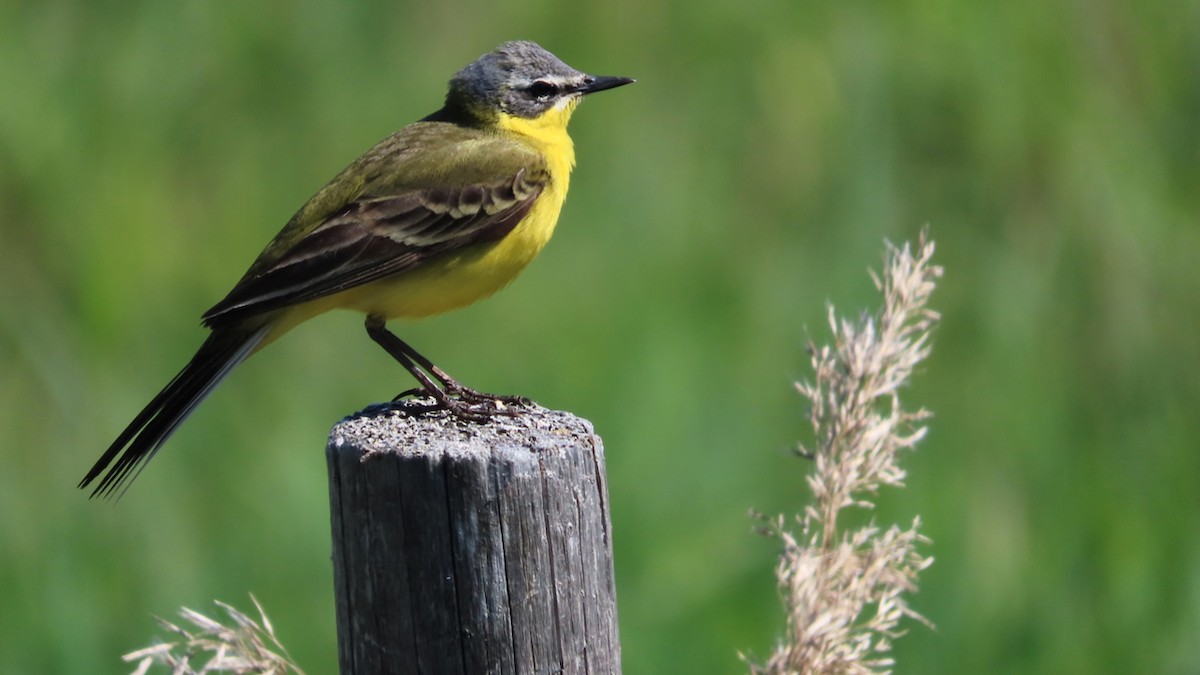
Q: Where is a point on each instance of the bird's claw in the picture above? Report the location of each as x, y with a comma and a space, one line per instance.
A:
466, 404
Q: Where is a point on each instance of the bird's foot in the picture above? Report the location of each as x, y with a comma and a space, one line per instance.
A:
465, 403
474, 396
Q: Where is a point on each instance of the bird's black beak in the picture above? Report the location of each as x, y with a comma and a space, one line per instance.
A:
594, 83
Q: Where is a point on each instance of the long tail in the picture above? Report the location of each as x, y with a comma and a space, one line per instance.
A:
223, 350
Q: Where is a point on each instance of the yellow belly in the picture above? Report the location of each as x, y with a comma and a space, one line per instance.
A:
457, 280
461, 278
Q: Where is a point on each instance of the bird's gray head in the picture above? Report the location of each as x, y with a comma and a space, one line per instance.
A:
522, 79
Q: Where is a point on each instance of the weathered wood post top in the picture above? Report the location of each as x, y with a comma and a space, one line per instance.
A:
471, 548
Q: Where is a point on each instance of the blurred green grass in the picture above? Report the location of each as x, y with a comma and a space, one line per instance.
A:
149, 150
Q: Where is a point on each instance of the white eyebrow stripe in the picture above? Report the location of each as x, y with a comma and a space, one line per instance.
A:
558, 80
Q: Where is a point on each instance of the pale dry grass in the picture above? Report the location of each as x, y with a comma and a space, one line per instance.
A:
845, 589
209, 646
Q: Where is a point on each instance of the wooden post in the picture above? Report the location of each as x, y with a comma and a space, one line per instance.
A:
471, 548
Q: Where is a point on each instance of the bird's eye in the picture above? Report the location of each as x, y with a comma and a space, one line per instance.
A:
542, 90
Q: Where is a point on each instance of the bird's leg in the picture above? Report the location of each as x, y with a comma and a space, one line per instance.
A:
453, 386
394, 346
463, 402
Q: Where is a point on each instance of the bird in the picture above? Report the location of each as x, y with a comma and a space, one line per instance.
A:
442, 213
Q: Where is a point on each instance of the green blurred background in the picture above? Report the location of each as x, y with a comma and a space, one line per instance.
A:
148, 150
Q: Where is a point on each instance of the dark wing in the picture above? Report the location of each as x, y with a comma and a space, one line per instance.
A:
375, 237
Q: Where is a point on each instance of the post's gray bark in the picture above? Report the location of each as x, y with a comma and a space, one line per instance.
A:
471, 548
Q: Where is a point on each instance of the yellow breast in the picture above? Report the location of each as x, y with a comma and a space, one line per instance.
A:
459, 280
548, 134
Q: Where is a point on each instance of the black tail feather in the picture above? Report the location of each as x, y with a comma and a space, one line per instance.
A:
223, 350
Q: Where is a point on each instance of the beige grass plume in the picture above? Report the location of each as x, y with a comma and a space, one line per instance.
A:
844, 589
242, 645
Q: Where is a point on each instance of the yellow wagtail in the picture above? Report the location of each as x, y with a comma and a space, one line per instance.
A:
442, 213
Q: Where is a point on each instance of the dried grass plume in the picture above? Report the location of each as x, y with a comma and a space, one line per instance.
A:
844, 589
243, 646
